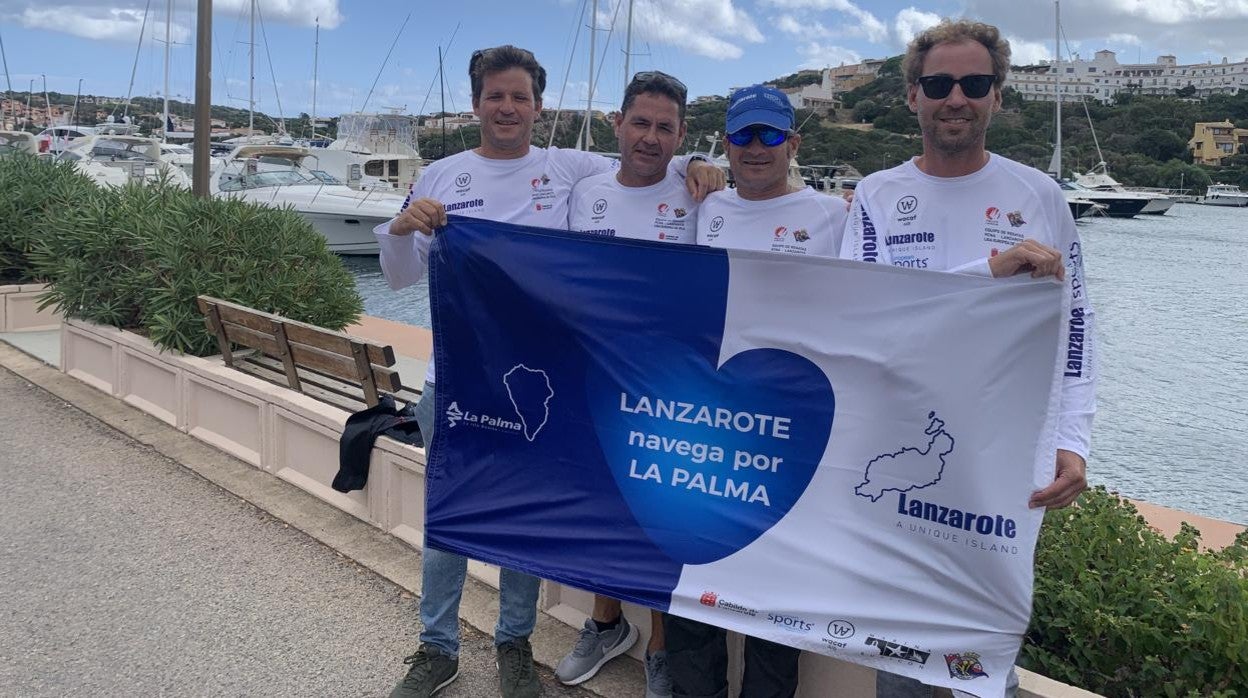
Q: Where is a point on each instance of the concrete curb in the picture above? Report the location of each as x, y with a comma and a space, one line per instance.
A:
378, 551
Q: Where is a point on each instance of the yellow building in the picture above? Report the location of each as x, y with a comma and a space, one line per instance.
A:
1213, 140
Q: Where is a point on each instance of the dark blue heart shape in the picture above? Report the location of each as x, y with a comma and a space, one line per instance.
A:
658, 417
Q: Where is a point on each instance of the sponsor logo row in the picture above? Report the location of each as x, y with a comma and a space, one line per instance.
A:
838, 634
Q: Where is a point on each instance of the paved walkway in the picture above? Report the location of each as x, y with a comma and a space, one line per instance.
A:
127, 574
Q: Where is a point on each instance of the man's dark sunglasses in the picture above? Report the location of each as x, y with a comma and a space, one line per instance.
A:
973, 86
656, 77
767, 135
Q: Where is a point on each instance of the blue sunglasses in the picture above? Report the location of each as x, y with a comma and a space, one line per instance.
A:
767, 135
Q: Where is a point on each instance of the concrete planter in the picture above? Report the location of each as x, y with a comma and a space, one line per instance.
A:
295, 438
19, 309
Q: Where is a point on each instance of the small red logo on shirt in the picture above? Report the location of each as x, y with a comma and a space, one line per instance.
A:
709, 598
663, 209
993, 214
780, 232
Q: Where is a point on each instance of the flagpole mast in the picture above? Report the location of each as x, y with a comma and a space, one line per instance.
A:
203, 98
164, 124
316, 57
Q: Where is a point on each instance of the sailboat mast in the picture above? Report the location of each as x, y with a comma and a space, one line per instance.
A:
164, 124
8, 81
1057, 88
316, 55
589, 104
251, 77
628, 43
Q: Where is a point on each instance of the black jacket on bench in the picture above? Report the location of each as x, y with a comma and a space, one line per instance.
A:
362, 429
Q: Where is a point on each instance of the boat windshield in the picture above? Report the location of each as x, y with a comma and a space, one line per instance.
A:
120, 150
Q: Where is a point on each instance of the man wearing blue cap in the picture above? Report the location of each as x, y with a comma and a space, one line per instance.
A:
765, 212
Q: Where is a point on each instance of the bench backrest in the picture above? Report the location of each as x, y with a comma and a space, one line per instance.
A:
299, 345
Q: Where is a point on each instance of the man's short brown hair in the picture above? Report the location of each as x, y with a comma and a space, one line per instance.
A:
957, 32
500, 58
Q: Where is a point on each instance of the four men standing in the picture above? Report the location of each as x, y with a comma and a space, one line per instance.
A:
958, 191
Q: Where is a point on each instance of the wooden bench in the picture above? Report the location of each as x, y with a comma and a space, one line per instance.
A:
330, 366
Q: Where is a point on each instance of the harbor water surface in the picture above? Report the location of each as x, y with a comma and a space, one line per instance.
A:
1171, 300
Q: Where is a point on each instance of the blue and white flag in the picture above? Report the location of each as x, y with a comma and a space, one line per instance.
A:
833, 455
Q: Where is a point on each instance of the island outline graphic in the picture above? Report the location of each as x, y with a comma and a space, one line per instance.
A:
524, 404
904, 464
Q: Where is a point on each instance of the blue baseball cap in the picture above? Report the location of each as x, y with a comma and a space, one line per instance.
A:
759, 104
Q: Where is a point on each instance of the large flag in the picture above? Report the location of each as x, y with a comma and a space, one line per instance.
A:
828, 454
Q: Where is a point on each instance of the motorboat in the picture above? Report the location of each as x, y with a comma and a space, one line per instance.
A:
1098, 179
18, 142
1080, 207
1117, 204
1224, 195
277, 175
57, 138
114, 161
373, 151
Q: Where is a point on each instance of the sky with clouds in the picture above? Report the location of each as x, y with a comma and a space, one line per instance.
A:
712, 45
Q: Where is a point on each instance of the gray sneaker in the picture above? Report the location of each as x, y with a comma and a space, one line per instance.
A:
658, 681
517, 678
593, 649
430, 672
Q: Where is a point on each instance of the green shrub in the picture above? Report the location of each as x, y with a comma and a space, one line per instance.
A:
34, 191
1123, 611
136, 258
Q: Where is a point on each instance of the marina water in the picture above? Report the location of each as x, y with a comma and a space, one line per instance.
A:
1171, 299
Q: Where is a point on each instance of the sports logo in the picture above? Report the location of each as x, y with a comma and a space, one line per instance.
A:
781, 232
663, 209
539, 181
709, 598
801, 235
600, 206
453, 414
965, 666
1016, 218
680, 213
907, 205
992, 215
716, 223
463, 179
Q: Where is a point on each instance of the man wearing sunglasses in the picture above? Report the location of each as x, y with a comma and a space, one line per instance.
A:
642, 200
959, 208
505, 179
764, 212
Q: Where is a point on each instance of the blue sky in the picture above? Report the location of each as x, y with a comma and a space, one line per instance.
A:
710, 44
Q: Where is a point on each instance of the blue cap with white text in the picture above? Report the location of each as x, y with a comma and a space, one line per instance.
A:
759, 104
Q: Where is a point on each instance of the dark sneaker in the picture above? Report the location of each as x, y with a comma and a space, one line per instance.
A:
430, 672
517, 678
658, 681
593, 649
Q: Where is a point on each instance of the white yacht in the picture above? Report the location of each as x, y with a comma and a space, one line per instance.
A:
1224, 195
18, 142
57, 138
373, 151
277, 175
1098, 179
115, 160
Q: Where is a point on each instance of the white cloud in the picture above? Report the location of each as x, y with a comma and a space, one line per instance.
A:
1123, 39
115, 24
122, 20
858, 22
712, 28
817, 55
910, 21
302, 13
1024, 52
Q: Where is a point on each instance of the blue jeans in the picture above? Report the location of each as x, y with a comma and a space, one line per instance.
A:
443, 574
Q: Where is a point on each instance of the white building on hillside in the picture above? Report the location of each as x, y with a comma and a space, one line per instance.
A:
833, 83
1103, 77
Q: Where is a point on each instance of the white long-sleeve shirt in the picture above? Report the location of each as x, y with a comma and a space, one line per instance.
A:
904, 217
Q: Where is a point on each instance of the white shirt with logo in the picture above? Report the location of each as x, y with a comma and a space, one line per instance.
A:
663, 212
906, 218
530, 190
801, 222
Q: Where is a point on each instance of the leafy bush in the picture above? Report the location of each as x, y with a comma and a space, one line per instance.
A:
34, 190
136, 258
1123, 611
